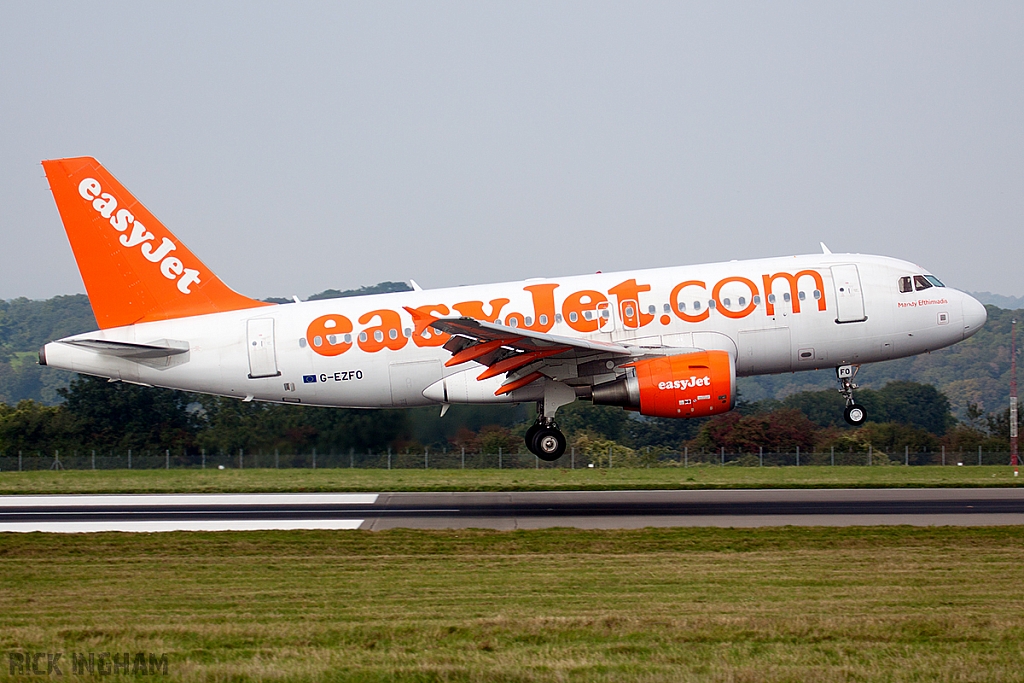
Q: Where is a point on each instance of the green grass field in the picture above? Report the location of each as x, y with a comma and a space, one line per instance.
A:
853, 604
344, 479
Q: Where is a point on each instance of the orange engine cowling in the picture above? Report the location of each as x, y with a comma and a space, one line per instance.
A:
688, 385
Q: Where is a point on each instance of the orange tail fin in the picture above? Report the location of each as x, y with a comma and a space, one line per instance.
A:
134, 269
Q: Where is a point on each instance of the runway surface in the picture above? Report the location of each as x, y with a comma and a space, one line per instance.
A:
513, 510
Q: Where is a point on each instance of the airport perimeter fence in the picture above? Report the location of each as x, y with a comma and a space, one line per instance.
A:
96, 459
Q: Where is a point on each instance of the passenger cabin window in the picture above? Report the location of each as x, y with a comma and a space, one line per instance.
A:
906, 285
802, 296
921, 283
786, 297
743, 301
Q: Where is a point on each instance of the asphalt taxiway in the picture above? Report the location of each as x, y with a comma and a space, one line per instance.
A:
513, 510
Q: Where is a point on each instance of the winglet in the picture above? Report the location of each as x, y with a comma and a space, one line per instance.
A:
824, 249
134, 268
420, 320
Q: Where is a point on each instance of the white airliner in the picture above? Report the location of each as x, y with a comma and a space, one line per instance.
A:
666, 342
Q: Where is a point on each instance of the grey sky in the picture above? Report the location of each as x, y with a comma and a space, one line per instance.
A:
300, 146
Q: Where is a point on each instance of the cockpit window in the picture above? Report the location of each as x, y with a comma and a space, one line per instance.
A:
921, 283
934, 280
906, 284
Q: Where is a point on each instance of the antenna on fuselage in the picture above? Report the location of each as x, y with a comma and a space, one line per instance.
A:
824, 249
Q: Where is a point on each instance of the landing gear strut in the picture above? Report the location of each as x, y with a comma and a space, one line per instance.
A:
855, 413
545, 440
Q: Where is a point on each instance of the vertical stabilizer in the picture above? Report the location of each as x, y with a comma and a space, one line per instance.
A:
134, 269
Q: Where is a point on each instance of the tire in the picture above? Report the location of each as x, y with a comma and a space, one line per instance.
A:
531, 434
855, 414
548, 444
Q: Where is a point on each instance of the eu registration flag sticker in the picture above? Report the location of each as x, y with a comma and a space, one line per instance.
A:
309, 379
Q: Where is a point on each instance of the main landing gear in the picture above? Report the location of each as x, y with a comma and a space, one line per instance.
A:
545, 440
855, 413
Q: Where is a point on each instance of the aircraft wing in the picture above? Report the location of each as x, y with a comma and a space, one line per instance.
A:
524, 356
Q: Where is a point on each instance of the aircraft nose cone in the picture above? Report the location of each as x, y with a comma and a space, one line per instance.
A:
975, 315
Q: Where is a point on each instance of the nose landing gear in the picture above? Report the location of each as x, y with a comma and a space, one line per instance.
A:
855, 414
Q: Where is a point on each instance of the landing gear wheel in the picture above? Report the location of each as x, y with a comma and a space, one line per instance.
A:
548, 443
531, 434
855, 414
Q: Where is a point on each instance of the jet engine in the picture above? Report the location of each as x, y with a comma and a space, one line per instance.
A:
687, 385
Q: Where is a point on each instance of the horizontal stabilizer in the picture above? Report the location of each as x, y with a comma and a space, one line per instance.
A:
131, 351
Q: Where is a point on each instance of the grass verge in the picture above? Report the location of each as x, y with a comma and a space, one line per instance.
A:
344, 479
892, 604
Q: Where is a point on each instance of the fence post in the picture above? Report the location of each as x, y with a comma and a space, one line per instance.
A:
19, 461
463, 457
203, 451
686, 456
499, 457
389, 457
314, 458
760, 456
943, 456
129, 458
426, 463
723, 456
241, 464
906, 456
798, 456
572, 458
609, 457
167, 459
979, 455
869, 454
94, 458
833, 451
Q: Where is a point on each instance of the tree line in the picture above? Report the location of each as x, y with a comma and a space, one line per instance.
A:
116, 416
